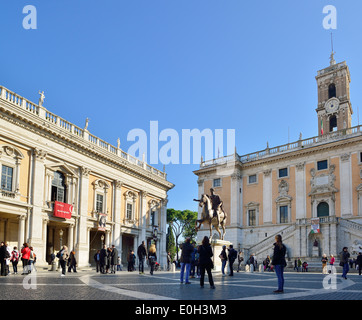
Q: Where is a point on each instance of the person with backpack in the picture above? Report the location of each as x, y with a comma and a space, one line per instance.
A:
206, 264
15, 259
63, 258
224, 259
344, 257
232, 257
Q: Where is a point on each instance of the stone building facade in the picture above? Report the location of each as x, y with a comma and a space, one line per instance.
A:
282, 190
62, 185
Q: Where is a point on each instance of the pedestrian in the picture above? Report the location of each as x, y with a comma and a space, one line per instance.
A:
8, 256
4, 254
114, 259
32, 260
109, 258
187, 250
63, 256
359, 262
152, 258
131, 260
240, 260
119, 266
305, 266
224, 259
15, 259
25, 255
324, 264
103, 259
279, 262
206, 263
97, 260
232, 257
72, 262
344, 256
193, 265
250, 262
197, 264
331, 263
142, 255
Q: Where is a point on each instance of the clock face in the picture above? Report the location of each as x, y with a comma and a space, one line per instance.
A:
331, 105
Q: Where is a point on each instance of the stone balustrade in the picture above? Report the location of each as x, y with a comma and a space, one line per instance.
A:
66, 126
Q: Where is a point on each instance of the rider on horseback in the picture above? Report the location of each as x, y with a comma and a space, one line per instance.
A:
216, 204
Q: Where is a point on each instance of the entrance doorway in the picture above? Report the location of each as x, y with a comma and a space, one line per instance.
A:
127, 245
95, 243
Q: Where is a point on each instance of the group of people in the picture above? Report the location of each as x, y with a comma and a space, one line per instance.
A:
107, 260
26, 255
143, 256
229, 257
300, 266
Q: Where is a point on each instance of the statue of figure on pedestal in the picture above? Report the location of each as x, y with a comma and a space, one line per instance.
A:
212, 212
41, 99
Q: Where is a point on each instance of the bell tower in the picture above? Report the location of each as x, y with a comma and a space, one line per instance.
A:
334, 108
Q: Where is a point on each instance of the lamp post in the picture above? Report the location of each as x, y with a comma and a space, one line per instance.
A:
61, 238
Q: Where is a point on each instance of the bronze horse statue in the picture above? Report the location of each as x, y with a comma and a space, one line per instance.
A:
207, 215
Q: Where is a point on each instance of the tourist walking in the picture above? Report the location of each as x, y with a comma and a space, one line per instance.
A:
4, 254
187, 250
15, 259
224, 259
72, 262
331, 263
240, 260
152, 258
103, 259
359, 262
63, 256
279, 262
114, 259
232, 257
205, 254
109, 258
97, 260
32, 260
324, 264
344, 256
131, 259
25, 255
142, 254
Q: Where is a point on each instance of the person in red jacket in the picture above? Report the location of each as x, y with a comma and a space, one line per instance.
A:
25, 255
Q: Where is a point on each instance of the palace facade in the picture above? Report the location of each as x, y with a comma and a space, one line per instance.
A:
285, 189
61, 185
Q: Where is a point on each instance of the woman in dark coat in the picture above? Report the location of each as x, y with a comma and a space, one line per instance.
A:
205, 253
279, 262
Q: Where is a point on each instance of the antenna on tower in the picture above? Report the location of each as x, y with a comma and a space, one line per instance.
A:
332, 61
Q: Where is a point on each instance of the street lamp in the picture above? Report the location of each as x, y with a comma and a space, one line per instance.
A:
61, 238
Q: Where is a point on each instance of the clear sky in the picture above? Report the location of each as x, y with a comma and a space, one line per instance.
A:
217, 64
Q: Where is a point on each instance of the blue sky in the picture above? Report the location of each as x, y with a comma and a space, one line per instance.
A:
243, 65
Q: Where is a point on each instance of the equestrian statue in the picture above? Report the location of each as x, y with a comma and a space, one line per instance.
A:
212, 212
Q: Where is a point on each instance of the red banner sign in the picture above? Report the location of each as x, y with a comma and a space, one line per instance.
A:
62, 210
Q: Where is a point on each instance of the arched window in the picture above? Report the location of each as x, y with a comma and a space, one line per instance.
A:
58, 187
323, 209
332, 91
332, 123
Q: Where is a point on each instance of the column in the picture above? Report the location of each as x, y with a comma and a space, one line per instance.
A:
82, 248
267, 197
163, 228
21, 231
333, 239
326, 237
117, 215
235, 199
143, 211
45, 224
346, 185
300, 191
36, 221
71, 237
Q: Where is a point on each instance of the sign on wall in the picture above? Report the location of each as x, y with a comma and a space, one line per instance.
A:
102, 219
62, 210
315, 225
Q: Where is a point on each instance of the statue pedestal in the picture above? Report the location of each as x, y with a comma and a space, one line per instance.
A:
315, 252
216, 246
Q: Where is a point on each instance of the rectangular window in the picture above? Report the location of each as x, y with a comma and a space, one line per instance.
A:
7, 178
322, 165
217, 182
283, 214
283, 172
252, 179
129, 211
252, 217
99, 203
152, 218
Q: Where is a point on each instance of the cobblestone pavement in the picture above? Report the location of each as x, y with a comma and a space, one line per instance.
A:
89, 285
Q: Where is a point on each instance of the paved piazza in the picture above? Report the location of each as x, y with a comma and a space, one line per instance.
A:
88, 285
